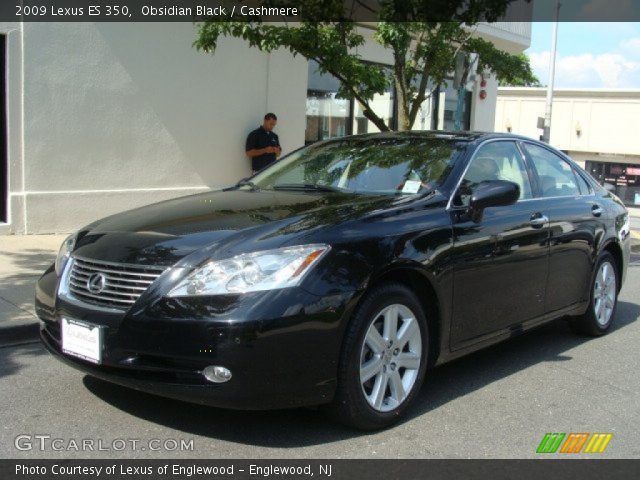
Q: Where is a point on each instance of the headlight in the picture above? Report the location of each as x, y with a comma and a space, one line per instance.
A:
252, 272
65, 253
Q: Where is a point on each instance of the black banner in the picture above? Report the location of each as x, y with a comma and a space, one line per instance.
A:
292, 11
321, 469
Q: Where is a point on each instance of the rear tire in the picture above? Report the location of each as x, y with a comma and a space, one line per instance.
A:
383, 359
598, 318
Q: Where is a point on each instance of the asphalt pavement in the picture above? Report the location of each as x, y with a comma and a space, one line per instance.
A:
497, 403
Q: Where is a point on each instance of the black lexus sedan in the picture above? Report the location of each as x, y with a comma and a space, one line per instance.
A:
340, 274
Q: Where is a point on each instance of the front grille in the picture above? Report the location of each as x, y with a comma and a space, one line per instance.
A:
123, 283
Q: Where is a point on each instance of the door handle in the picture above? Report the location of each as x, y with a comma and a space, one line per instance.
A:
538, 220
597, 210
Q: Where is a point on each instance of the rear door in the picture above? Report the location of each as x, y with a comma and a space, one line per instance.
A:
576, 221
500, 262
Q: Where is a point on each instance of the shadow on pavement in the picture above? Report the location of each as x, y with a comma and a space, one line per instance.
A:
545, 344
17, 285
305, 427
10, 356
29, 263
19, 334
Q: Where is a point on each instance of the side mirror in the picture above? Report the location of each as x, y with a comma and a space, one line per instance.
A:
609, 187
493, 193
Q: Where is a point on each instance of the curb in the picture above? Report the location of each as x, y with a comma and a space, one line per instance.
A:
19, 334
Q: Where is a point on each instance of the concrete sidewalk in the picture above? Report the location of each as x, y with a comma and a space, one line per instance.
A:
23, 258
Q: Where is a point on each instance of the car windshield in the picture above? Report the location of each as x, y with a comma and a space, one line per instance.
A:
402, 165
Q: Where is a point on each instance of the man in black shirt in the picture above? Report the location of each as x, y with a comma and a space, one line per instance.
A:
263, 146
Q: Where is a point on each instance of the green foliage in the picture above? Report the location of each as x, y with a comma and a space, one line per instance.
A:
424, 52
519, 74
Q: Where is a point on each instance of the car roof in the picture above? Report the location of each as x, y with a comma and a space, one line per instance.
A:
464, 136
472, 138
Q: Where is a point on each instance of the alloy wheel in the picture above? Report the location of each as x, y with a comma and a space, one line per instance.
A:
390, 357
604, 293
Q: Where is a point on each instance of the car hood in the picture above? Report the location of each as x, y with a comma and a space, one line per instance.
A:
166, 232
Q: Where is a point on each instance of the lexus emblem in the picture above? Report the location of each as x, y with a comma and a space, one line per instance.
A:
96, 283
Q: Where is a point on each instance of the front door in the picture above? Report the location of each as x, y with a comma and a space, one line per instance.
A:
501, 262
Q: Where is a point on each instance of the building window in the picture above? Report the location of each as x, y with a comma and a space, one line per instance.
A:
625, 178
330, 117
4, 160
327, 116
383, 106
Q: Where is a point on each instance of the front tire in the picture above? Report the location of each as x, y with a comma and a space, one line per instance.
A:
383, 360
598, 318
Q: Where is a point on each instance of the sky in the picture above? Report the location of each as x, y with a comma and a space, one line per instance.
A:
589, 55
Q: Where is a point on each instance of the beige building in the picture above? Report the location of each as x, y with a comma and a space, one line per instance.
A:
598, 128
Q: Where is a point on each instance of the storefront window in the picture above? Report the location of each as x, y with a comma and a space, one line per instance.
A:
327, 116
330, 117
382, 106
425, 120
625, 178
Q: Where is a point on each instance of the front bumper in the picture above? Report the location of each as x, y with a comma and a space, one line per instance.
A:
282, 347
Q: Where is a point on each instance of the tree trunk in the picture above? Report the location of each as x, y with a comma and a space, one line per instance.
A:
375, 119
404, 122
403, 125
404, 116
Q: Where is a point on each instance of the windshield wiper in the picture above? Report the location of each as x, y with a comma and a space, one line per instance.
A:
244, 183
313, 187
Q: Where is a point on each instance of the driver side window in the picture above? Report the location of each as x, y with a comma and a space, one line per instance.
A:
494, 161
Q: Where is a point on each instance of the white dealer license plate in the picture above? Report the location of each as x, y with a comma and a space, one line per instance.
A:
82, 340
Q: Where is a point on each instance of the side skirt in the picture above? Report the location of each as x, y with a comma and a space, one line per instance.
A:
492, 338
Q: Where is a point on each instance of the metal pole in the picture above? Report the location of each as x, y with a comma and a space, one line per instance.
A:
546, 132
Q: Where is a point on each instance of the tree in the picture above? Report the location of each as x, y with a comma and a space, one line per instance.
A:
424, 49
523, 81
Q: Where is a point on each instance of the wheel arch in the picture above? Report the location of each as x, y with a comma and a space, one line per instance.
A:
615, 250
423, 287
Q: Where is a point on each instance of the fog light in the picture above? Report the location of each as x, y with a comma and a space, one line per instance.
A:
217, 374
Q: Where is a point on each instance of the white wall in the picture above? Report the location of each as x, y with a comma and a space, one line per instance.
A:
113, 123
513, 37
13, 32
287, 97
483, 111
607, 119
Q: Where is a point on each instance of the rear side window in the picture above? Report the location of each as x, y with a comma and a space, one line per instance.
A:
585, 189
557, 178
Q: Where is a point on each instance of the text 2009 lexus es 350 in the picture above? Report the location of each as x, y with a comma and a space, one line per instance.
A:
340, 274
